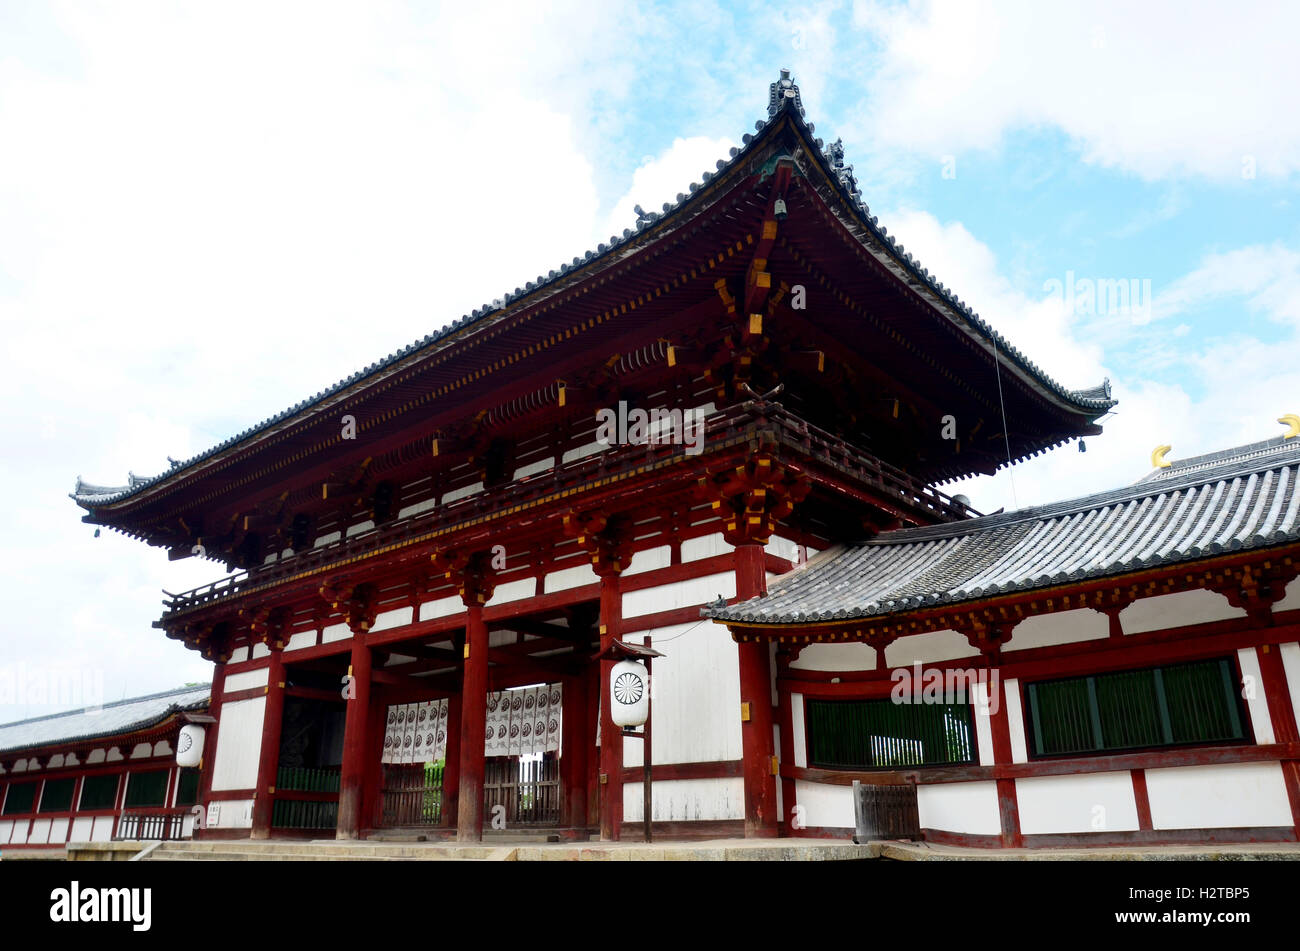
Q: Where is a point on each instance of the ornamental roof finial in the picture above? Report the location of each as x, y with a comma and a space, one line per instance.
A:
781, 92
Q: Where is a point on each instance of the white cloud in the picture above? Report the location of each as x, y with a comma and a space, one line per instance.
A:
662, 178
1155, 89
1241, 384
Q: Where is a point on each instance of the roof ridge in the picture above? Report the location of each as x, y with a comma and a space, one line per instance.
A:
1147, 488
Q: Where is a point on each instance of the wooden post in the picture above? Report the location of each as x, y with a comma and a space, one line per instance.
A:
269, 760
451, 769
756, 705
210, 741
573, 751
646, 757
611, 736
355, 733
473, 723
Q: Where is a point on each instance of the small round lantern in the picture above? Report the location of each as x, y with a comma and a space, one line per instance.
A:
629, 691
189, 746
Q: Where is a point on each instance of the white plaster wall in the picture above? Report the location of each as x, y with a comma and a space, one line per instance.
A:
6, 830
684, 800
694, 698
797, 731
649, 560
1291, 666
239, 742
300, 640
335, 632
1015, 721
394, 618
1067, 627
1209, 797
1091, 802
247, 680
567, 578
1255, 695
234, 814
360, 527
513, 591
102, 831
581, 452
464, 492
928, 648
1176, 610
441, 607
705, 546
58, 830
541, 465
680, 594
258, 651
825, 805
852, 656
1291, 602
407, 511
329, 539
40, 833
971, 808
142, 750
81, 829
239, 655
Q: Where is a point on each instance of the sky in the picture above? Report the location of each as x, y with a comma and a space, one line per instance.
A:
209, 212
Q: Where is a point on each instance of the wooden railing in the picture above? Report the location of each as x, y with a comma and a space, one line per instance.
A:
149, 825
725, 429
412, 795
306, 797
885, 812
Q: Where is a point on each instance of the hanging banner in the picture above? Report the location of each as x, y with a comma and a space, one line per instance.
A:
440, 729
423, 747
408, 734
390, 737
554, 717
498, 724
528, 728
516, 702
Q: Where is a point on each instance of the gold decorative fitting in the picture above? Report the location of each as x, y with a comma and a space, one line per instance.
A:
1158, 460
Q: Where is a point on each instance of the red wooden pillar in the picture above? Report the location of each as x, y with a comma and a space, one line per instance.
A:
756, 705
473, 723
573, 751
451, 767
611, 736
372, 797
355, 733
1272, 673
210, 740
269, 760
1008, 803
785, 713
590, 725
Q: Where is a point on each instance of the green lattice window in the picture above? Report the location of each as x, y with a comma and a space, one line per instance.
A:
20, 799
881, 734
146, 789
187, 787
99, 792
56, 796
1175, 705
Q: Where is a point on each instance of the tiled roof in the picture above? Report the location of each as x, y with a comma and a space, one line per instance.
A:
111, 719
1249, 500
783, 99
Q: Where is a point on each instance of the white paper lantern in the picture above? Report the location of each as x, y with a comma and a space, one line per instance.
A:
189, 746
629, 691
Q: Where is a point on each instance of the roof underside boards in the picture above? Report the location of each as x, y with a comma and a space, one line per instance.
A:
726, 202
1239, 505
112, 719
